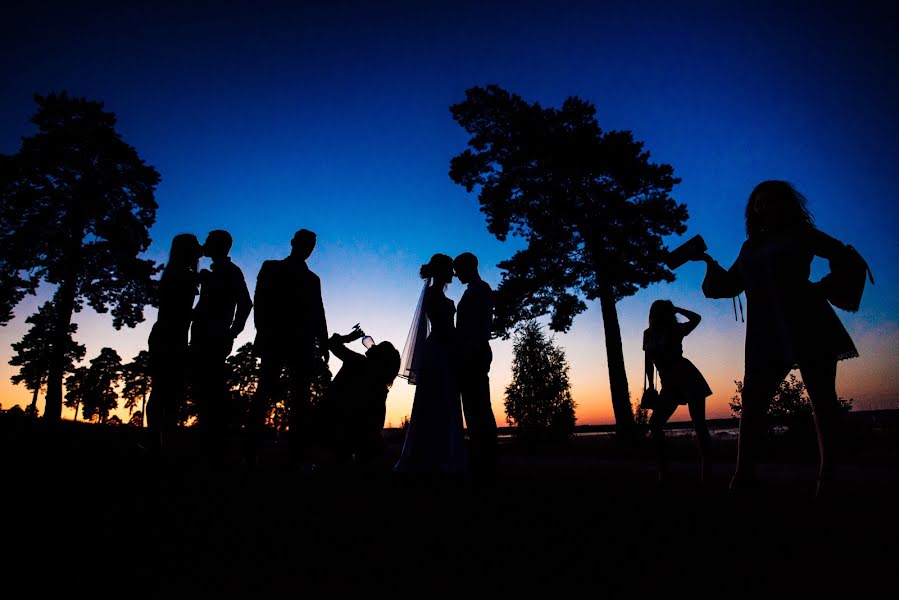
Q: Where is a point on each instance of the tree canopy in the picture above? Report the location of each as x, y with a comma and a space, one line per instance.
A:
103, 377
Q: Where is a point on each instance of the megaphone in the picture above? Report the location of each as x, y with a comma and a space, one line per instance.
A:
692, 249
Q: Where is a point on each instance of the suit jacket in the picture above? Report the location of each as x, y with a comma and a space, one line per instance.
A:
474, 323
224, 303
289, 313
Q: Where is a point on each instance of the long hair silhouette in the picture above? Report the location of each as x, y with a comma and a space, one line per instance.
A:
774, 206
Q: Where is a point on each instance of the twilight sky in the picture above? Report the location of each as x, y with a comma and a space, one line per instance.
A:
265, 117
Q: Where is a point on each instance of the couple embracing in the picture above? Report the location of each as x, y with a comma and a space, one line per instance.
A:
449, 364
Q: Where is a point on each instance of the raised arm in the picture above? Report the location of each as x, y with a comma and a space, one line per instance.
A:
719, 283
336, 345
693, 320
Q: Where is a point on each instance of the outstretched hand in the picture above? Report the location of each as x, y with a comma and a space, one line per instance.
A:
352, 336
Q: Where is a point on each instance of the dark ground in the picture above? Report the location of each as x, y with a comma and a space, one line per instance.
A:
87, 511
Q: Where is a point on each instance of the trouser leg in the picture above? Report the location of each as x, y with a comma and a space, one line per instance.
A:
482, 433
266, 395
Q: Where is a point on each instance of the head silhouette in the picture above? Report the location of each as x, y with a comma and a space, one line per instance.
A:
439, 270
302, 244
776, 206
218, 244
662, 315
466, 267
386, 361
186, 252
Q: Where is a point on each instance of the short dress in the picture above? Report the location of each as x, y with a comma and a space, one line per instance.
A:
789, 321
681, 380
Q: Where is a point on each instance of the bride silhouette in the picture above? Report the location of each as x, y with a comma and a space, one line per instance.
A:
434, 439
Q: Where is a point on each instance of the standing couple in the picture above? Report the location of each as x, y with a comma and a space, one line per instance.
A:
219, 316
449, 365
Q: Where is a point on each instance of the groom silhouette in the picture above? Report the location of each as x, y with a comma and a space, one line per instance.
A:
291, 336
474, 324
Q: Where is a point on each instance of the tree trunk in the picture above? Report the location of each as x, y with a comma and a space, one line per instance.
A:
624, 417
65, 304
76, 410
34, 401
143, 410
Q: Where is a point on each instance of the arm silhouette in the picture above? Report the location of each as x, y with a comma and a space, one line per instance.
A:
263, 297
826, 246
648, 366
244, 305
719, 283
336, 345
693, 320
481, 313
321, 324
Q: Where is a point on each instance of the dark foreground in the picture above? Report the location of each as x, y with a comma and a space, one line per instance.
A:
87, 511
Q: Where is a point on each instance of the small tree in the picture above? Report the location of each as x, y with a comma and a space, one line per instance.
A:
242, 380
77, 388
138, 384
277, 415
137, 419
104, 375
32, 353
538, 400
641, 415
790, 405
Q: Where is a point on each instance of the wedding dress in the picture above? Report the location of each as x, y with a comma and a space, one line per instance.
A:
434, 438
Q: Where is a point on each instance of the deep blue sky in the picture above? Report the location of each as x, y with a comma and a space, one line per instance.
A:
263, 118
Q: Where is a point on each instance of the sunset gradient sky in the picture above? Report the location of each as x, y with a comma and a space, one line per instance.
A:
265, 117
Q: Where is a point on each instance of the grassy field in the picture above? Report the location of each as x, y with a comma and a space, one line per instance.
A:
87, 510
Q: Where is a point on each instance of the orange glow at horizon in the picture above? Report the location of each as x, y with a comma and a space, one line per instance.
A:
716, 347
871, 381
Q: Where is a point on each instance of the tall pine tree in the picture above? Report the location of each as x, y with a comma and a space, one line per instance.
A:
77, 205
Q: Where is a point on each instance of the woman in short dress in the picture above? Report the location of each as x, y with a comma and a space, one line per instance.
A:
682, 383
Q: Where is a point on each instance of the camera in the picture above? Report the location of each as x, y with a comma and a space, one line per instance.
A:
692, 249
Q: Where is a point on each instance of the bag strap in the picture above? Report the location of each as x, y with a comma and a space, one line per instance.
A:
736, 299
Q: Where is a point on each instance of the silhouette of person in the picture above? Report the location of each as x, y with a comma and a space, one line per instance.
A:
682, 383
434, 441
474, 325
168, 342
291, 334
354, 406
219, 317
789, 322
